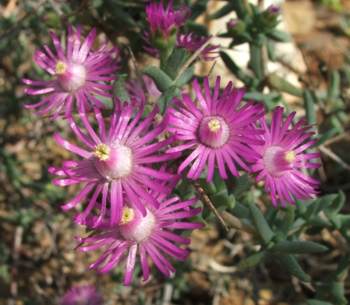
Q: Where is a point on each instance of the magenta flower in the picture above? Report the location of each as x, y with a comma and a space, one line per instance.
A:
216, 128
82, 295
147, 237
115, 163
231, 24
79, 74
192, 43
274, 9
163, 20
282, 160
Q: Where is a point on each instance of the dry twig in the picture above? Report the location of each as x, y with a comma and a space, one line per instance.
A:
334, 157
206, 200
192, 58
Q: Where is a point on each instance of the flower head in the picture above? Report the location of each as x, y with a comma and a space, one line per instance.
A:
216, 128
231, 24
282, 159
115, 162
192, 43
78, 73
274, 9
144, 236
163, 19
82, 295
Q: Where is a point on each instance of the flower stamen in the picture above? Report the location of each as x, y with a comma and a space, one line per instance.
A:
214, 125
213, 131
102, 152
128, 215
60, 68
290, 156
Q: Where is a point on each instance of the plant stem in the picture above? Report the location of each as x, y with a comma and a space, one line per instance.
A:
256, 60
235, 223
192, 58
206, 201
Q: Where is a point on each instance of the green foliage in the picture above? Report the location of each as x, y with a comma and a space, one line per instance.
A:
298, 247
288, 236
119, 88
262, 226
290, 264
162, 80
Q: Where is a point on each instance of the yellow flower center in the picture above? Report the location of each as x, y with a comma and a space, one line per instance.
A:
61, 67
290, 156
102, 152
128, 215
214, 125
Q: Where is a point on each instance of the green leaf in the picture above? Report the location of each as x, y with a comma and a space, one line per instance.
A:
263, 228
252, 260
119, 88
309, 104
271, 50
223, 11
258, 96
335, 203
318, 221
209, 187
256, 63
344, 221
234, 68
326, 136
241, 10
175, 61
279, 36
333, 291
318, 205
343, 268
334, 87
197, 28
220, 183
288, 219
161, 79
298, 247
223, 200
242, 185
166, 97
280, 84
185, 77
241, 211
198, 8
289, 263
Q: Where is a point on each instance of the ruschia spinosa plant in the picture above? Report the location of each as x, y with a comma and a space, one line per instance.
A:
155, 151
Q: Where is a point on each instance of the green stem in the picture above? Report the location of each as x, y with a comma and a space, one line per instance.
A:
256, 60
242, 8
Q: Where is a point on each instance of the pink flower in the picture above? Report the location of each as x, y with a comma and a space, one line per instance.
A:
116, 163
82, 295
144, 236
231, 24
79, 74
216, 128
282, 160
274, 9
163, 19
192, 43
